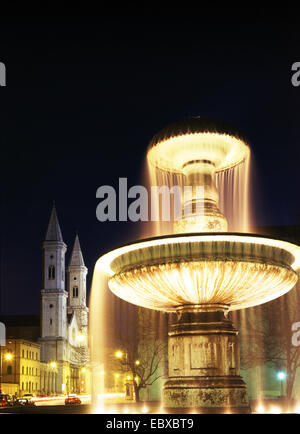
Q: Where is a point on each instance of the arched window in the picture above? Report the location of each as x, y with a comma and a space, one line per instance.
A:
75, 291
51, 272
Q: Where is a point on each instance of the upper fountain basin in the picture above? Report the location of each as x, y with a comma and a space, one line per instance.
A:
238, 270
197, 139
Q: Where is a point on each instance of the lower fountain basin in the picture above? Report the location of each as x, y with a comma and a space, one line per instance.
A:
237, 270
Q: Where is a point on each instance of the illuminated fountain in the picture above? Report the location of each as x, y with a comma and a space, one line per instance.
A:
201, 271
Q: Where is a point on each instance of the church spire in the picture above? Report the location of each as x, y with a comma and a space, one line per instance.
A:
76, 256
53, 231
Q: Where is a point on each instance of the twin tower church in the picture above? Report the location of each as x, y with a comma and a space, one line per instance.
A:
64, 313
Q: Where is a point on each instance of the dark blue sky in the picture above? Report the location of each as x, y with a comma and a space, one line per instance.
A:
85, 95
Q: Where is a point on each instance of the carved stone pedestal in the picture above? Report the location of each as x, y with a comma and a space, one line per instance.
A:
204, 365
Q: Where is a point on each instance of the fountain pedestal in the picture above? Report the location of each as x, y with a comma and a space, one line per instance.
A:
204, 363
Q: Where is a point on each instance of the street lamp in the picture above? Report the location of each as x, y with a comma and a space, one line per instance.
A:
119, 354
281, 376
81, 338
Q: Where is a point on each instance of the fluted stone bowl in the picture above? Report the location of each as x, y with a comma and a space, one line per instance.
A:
238, 270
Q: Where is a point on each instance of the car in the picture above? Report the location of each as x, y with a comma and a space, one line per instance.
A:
7, 400
26, 399
3, 400
72, 399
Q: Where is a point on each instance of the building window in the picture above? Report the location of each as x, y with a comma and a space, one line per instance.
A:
23, 353
51, 272
50, 321
9, 370
75, 291
22, 370
22, 386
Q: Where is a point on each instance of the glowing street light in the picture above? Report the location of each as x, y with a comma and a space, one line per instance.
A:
81, 337
119, 354
281, 375
83, 370
53, 364
8, 356
137, 362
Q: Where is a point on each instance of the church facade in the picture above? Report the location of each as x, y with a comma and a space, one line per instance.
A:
64, 351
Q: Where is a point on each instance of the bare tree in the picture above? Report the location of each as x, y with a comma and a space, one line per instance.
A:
144, 351
266, 336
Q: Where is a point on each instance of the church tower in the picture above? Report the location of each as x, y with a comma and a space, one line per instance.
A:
64, 315
54, 334
77, 272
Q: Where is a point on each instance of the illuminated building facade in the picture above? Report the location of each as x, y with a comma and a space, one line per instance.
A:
20, 367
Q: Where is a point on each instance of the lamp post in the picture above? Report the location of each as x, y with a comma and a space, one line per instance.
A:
8, 356
281, 376
53, 376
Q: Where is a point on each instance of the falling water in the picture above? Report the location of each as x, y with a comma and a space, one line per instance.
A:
234, 196
98, 336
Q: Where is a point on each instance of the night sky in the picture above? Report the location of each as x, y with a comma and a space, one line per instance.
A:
85, 95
